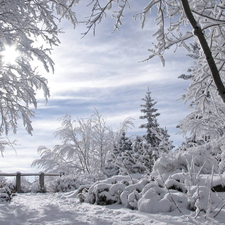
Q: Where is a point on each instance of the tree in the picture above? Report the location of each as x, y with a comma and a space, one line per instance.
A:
103, 139
206, 121
74, 154
85, 146
116, 162
150, 114
30, 27
178, 22
155, 141
143, 155
121, 154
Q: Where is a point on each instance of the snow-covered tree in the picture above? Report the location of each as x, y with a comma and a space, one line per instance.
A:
131, 156
84, 147
28, 32
143, 155
151, 125
103, 139
121, 143
121, 154
74, 154
205, 121
156, 140
165, 144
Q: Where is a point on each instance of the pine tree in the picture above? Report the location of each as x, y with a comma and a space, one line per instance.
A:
150, 114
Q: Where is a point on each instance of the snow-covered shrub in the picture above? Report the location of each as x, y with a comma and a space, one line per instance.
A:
5, 194
178, 191
26, 186
108, 191
64, 184
203, 158
11, 184
71, 182
159, 196
200, 198
36, 188
153, 201
130, 196
2, 181
175, 185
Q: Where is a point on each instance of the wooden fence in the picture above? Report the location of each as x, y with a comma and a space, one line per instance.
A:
18, 176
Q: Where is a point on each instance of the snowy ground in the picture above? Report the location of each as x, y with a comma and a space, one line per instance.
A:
63, 208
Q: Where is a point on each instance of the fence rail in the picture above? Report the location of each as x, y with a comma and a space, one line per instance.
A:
18, 176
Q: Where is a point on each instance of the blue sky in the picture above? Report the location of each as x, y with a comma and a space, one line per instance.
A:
103, 72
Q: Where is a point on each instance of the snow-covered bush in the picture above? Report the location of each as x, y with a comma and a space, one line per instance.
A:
36, 188
5, 194
179, 191
203, 158
64, 184
71, 182
26, 186
108, 191
2, 181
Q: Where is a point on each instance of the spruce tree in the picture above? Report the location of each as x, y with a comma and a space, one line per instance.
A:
156, 138
122, 155
150, 114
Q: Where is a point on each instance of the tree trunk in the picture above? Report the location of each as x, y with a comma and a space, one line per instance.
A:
212, 65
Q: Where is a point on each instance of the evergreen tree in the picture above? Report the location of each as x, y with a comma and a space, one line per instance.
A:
150, 114
165, 144
156, 141
142, 153
122, 155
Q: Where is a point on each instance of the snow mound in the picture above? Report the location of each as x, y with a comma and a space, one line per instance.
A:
180, 191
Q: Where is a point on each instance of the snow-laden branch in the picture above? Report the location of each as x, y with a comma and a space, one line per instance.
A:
208, 54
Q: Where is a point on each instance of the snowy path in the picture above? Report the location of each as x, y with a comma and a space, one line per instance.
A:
62, 209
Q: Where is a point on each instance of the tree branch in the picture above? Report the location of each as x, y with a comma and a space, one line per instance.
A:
212, 65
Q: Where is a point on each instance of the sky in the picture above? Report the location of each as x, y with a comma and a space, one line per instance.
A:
103, 72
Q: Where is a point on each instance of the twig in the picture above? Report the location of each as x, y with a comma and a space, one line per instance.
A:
170, 194
219, 210
210, 195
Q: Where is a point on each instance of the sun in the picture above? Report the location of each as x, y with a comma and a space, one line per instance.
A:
9, 54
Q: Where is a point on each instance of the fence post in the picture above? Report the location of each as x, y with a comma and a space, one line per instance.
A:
18, 182
41, 181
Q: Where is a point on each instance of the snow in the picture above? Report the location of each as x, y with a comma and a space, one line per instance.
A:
64, 209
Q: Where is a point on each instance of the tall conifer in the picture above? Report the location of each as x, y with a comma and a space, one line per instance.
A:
150, 114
